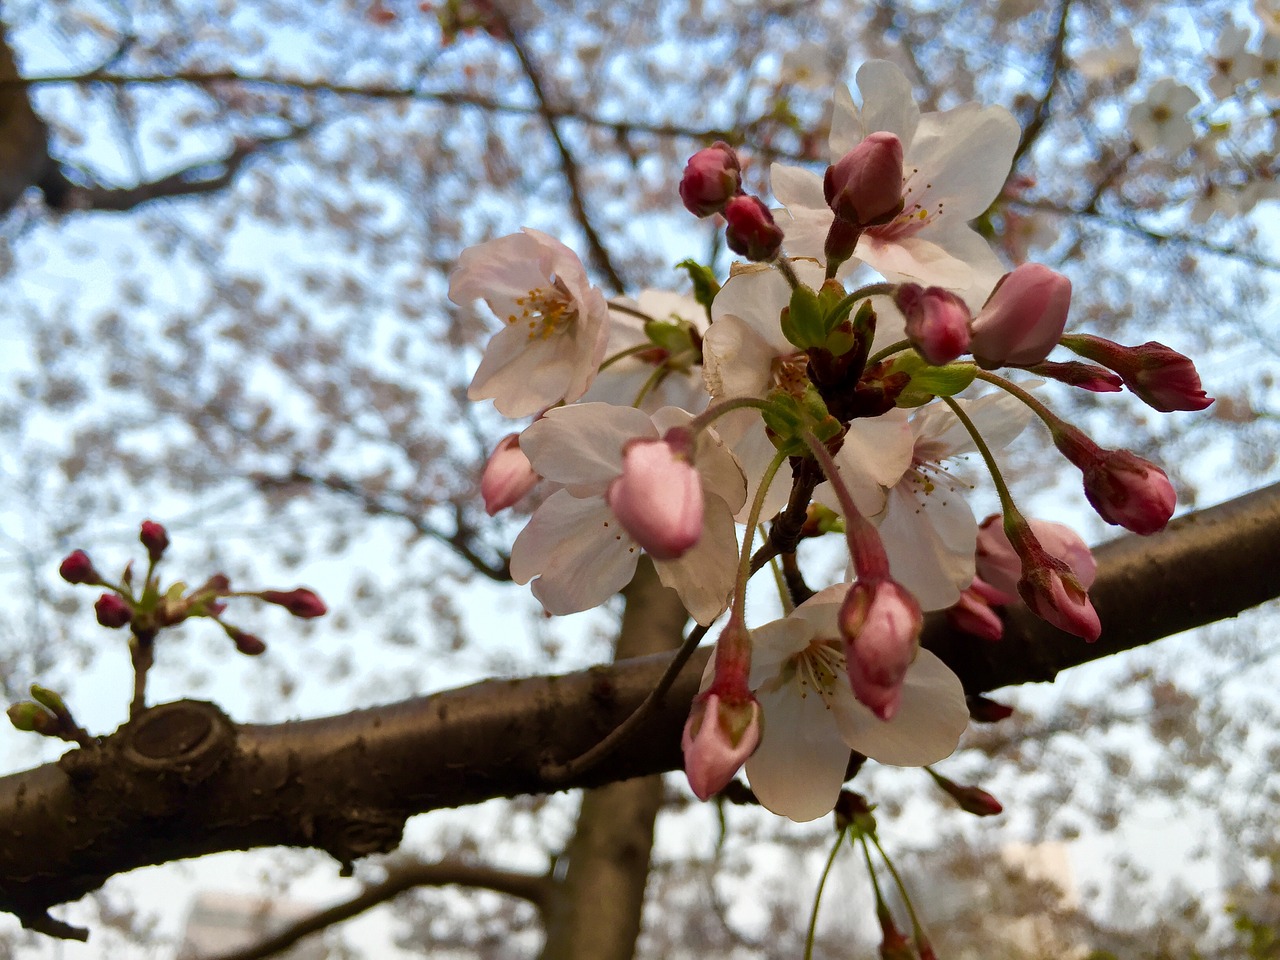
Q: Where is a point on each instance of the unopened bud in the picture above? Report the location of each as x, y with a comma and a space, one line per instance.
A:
246, 643
658, 497
1161, 376
302, 603
880, 622
1023, 318
1000, 566
937, 322
752, 232
507, 476
972, 614
155, 538
1125, 489
112, 611
1085, 376
973, 800
864, 187
712, 177
1055, 595
78, 568
33, 718
718, 738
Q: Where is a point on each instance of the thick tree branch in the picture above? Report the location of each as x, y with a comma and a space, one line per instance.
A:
182, 780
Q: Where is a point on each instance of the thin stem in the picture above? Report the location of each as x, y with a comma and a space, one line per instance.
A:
862, 293
888, 351
718, 410
1051, 420
659, 374
623, 354
865, 547
817, 897
561, 772
784, 267
631, 311
779, 579
753, 521
917, 928
1002, 488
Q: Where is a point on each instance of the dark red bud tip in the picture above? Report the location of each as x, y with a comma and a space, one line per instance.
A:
302, 603
247, 643
712, 177
752, 232
112, 611
78, 568
155, 538
982, 710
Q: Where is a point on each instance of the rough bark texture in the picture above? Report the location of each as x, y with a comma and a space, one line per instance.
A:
595, 913
182, 780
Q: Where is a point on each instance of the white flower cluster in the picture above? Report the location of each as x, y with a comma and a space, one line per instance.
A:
664, 423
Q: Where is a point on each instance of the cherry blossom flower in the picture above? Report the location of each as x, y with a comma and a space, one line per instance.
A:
1160, 121
746, 355
955, 164
1115, 60
1232, 64
578, 550
556, 322
929, 531
812, 719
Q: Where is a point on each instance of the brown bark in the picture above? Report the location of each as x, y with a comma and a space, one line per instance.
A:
182, 780
595, 914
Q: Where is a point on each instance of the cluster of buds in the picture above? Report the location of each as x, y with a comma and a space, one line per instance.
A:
712, 183
152, 608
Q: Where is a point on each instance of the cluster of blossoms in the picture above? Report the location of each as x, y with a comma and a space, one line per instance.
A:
663, 425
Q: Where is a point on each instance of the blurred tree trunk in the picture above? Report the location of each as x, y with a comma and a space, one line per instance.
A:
595, 913
24, 142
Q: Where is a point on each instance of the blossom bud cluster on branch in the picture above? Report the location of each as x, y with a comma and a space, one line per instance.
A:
824, 389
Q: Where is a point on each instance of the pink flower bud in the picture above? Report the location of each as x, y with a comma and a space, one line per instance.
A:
864, 187
1086, 376
1161, 376
752, 232
712, 177
507, 475
973, 800
1023, 318
718, 738
937, 322
1125, 489
1054, 594
112, 611
302, 603
155, 538
1000, 567
246, 643
658, 497
880, 622
78, 568
973, 614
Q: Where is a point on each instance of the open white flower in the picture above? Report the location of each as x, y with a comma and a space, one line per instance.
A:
1160, 121
955, 163
812, 720
578, 549
556, 322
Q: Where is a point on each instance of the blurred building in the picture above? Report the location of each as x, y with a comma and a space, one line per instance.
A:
222, 922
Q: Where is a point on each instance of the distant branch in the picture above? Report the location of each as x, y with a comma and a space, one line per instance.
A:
1056, 58
182, 780
400, 878
460, 540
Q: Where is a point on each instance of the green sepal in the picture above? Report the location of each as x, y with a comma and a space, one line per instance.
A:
788, 417
928, 381
803, 323
705, 284
676, 337
826, 519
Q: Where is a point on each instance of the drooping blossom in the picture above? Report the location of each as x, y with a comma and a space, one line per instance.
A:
750, 229
937, 322
577, 552
955, 163
1121, 486
812, 719
718, 738
1165, 379
880, 623
556, 322
1000, 567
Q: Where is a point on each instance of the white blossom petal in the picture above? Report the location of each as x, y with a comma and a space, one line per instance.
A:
581, 445
799, 767
930, 719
